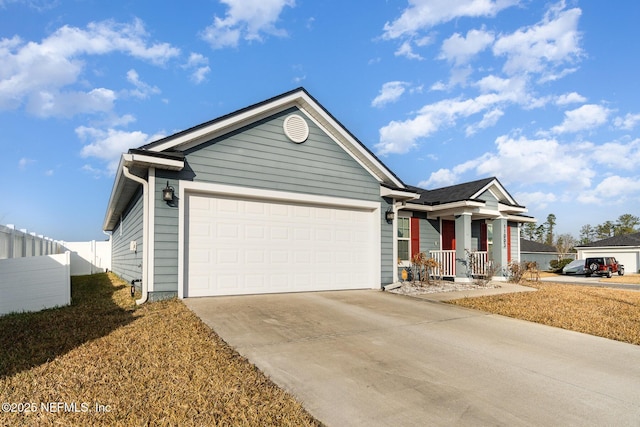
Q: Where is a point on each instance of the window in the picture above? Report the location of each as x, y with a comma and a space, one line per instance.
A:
404, 237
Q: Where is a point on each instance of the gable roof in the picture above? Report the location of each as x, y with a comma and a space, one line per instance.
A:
531, 246
453, 199
622, 240
299, 98
465, 191
168, 153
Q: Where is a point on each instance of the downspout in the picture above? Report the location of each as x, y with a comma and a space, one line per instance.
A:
145, 234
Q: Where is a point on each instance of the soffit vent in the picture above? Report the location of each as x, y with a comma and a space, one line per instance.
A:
296, 128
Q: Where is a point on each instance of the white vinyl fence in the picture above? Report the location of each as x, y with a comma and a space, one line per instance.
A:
35, 270
89, 257
21, 244
34, 283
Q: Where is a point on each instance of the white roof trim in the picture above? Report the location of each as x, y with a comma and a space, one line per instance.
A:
152, 161
311, 109
398, 194
495, 183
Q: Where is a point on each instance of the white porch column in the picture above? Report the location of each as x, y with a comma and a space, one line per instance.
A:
500, 245
463, 244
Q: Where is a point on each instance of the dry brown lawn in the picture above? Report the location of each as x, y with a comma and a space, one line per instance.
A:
103, 361
604, 312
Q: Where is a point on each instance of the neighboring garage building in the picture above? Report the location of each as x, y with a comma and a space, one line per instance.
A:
625, 248
280, 197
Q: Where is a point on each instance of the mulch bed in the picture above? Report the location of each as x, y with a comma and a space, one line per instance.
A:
104, 361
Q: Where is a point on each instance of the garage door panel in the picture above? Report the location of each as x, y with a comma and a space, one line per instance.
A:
256, 246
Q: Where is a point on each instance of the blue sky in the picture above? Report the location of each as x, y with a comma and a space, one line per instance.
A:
543, 95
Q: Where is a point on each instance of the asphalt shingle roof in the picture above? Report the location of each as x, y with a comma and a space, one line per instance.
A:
453, 193
531, 246
622, 240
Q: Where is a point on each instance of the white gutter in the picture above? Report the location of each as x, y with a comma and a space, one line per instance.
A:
145, 234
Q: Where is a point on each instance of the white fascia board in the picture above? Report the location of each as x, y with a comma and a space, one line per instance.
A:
115, 193
349, 144
463, 206
152, 162
221, 127
517, 218
511, 209
503, 193
399, 195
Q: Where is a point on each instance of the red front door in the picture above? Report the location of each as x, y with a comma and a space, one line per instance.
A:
448, 235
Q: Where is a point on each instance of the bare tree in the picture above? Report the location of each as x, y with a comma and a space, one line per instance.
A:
565, 244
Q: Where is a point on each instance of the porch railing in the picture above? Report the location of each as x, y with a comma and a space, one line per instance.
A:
478, 262
447, 262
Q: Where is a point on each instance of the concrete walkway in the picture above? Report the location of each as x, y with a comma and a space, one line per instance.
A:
371, 358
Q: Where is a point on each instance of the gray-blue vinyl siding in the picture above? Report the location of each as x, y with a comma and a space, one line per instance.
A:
261, 156
515, 241
124, 262
429, 235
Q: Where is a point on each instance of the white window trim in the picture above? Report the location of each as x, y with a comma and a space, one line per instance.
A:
404, 263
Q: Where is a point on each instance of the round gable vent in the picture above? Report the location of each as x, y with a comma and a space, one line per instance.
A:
296, 128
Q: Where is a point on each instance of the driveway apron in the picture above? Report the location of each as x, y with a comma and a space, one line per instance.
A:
374, 358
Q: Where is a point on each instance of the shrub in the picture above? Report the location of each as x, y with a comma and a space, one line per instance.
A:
558, 265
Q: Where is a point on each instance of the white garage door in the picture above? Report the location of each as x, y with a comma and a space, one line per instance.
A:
239, 246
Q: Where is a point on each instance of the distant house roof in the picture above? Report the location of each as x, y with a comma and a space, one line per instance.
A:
531, 246
622, 240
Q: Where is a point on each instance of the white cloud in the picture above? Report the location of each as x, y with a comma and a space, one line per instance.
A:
41, 73
439, 178
246, 19
425, 14
570, 98
390, 92
536, 199
617, 155
612, 189
526, 161
24, 162
588, 116
460, 50
142, 90
401, 136
107, 145
628, 122
544, 47
406, 50
199, 65
489, 119
67, 104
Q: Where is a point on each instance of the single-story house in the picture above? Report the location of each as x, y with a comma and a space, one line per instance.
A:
543, 254
625, 248
281, 197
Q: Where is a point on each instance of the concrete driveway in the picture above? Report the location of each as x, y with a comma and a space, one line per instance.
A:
375, 358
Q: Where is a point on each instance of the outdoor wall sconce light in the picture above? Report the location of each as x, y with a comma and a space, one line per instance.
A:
167, 193
390, 215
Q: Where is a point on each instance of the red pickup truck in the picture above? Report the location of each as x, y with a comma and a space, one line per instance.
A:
603, 266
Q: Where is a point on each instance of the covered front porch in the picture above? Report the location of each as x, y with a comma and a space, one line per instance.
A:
471, 230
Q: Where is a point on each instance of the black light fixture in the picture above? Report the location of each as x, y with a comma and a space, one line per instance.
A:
390, 215
167, 193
